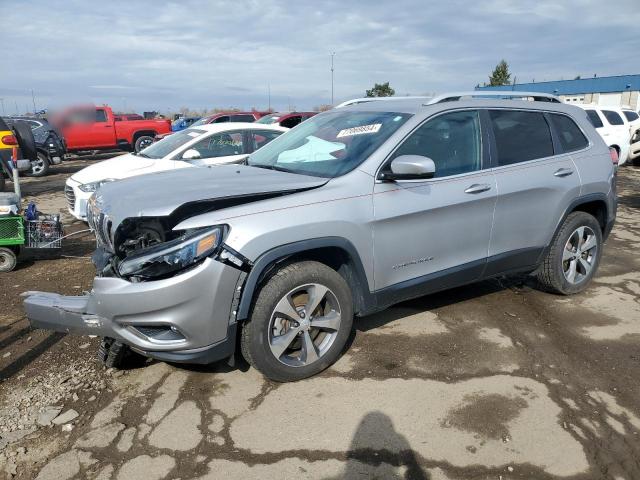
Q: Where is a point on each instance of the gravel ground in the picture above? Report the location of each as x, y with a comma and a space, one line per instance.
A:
495, 380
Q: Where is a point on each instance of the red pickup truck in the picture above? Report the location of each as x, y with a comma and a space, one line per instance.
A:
95, 128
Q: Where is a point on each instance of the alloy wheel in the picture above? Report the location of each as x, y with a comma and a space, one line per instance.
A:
304, 324
579, 254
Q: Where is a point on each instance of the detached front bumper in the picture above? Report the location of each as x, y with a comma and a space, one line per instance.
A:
183, 318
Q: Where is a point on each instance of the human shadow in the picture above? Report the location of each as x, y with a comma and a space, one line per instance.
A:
377, 450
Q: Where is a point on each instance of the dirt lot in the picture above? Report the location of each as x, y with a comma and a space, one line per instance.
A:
495, 380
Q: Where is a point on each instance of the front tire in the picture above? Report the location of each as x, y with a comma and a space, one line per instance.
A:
40, 166
574, 255
8, 259
300, 322
142, 142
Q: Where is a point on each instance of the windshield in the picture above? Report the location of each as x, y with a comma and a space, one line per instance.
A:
269, 119
329, 145
168, 144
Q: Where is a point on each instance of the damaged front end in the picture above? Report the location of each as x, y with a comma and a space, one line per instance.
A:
167, 294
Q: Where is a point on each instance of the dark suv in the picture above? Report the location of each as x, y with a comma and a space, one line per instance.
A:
50, 144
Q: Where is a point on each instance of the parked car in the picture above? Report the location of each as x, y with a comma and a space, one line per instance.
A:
395, 200
222, 117
94, 128
50, 144
198, 146
632, 119
182, 123
288, 119
611, 127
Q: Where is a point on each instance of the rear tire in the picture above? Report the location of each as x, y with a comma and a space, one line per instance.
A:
573, 256
142, 142
300, 322
8, 259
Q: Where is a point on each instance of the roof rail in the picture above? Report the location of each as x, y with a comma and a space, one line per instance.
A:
356, 101
455, 96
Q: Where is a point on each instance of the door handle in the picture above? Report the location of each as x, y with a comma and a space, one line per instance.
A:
478, 188
563, 172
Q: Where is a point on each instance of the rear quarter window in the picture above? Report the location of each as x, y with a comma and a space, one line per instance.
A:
570, 136
631, 116
594, 118
612, 117
520, 136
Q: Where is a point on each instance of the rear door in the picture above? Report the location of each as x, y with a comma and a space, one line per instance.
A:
536, 183
436, 229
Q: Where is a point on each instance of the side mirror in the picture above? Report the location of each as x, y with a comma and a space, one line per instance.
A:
410, 167
191, 154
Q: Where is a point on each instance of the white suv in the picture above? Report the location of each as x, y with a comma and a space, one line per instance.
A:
611, 127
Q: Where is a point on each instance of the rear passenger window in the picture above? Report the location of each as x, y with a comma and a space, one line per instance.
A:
612, 117
594, 118
570, 136
451, 140
520, 136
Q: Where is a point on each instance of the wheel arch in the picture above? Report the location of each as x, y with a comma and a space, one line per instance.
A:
594, 204
140, 133
335, 252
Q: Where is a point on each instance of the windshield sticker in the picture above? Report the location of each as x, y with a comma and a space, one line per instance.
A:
349, 132
194, 134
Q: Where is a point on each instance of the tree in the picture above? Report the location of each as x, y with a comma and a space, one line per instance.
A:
500, 75
381, 90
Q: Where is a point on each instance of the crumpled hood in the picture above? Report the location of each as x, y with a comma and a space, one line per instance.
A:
160, 194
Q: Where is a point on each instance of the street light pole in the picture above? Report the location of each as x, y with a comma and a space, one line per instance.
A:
332, 55
33, 99
2, 101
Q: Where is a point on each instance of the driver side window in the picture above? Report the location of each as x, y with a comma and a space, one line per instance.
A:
451, 140
220, 145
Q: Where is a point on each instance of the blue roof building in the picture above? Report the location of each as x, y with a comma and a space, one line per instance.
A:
621, 90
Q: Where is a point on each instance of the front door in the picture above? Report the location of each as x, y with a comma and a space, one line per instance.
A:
438, 229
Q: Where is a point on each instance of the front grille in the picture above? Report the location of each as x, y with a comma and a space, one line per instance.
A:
71, 196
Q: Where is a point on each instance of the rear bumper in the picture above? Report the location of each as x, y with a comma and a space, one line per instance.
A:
185, 318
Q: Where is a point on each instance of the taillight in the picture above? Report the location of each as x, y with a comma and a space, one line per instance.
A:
9, 140
614, 155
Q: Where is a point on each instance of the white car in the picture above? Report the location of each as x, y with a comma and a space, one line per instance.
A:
633, 119
611, 127
212, 144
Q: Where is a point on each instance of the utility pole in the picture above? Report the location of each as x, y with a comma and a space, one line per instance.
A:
33, 99
2, 101
269, 90
332, 55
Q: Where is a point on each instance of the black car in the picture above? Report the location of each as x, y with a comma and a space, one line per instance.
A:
49, 143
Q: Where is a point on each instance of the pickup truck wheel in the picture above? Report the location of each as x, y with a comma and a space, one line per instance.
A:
574, 255
8, 259
300, 322
40, 166
143, 142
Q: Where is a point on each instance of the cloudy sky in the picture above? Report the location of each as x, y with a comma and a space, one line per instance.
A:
155, 55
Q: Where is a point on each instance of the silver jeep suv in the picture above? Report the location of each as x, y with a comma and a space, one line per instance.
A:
350, 212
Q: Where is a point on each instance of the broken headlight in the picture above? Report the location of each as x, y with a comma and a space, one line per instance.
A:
166, 258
